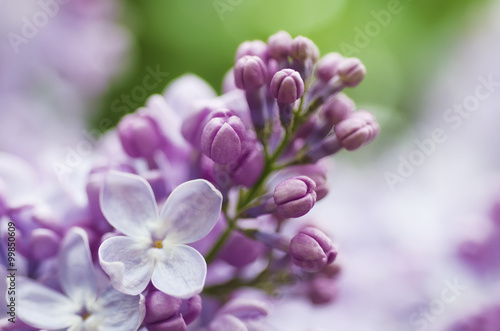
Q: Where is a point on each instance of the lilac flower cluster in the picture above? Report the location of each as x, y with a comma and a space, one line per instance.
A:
482, 257
229, 172
57, 57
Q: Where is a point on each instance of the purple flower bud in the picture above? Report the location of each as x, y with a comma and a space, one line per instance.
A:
240, 251
37, 231
337, 109
250, 73
253, 48
280, 45
287, 86
223, 139
311, 249
160, 307
328, 66
352, 72
174, 324
357, 130
191, 309
295, 196
164, 312
322, 290
139, 135
303, 48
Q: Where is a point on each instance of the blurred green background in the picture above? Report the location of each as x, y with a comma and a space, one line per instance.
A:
401, 51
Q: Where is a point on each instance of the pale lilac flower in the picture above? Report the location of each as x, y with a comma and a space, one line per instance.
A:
81, 307
154, 246
184, 93
240, 315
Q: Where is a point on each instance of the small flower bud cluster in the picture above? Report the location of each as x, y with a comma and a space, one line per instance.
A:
232, 174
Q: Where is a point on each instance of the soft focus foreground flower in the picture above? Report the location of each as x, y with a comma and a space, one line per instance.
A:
154, 246
240, 315
80, 307
57, 57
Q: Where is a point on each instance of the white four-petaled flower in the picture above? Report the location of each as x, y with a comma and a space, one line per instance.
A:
83, 307
154, 246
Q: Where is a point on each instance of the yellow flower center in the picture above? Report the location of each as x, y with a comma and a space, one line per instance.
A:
158, 244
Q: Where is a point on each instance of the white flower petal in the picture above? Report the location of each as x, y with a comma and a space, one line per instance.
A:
44, 308
116, 311
76, 270
180, 271
128, 203
190, 212
77, 326
127, 262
